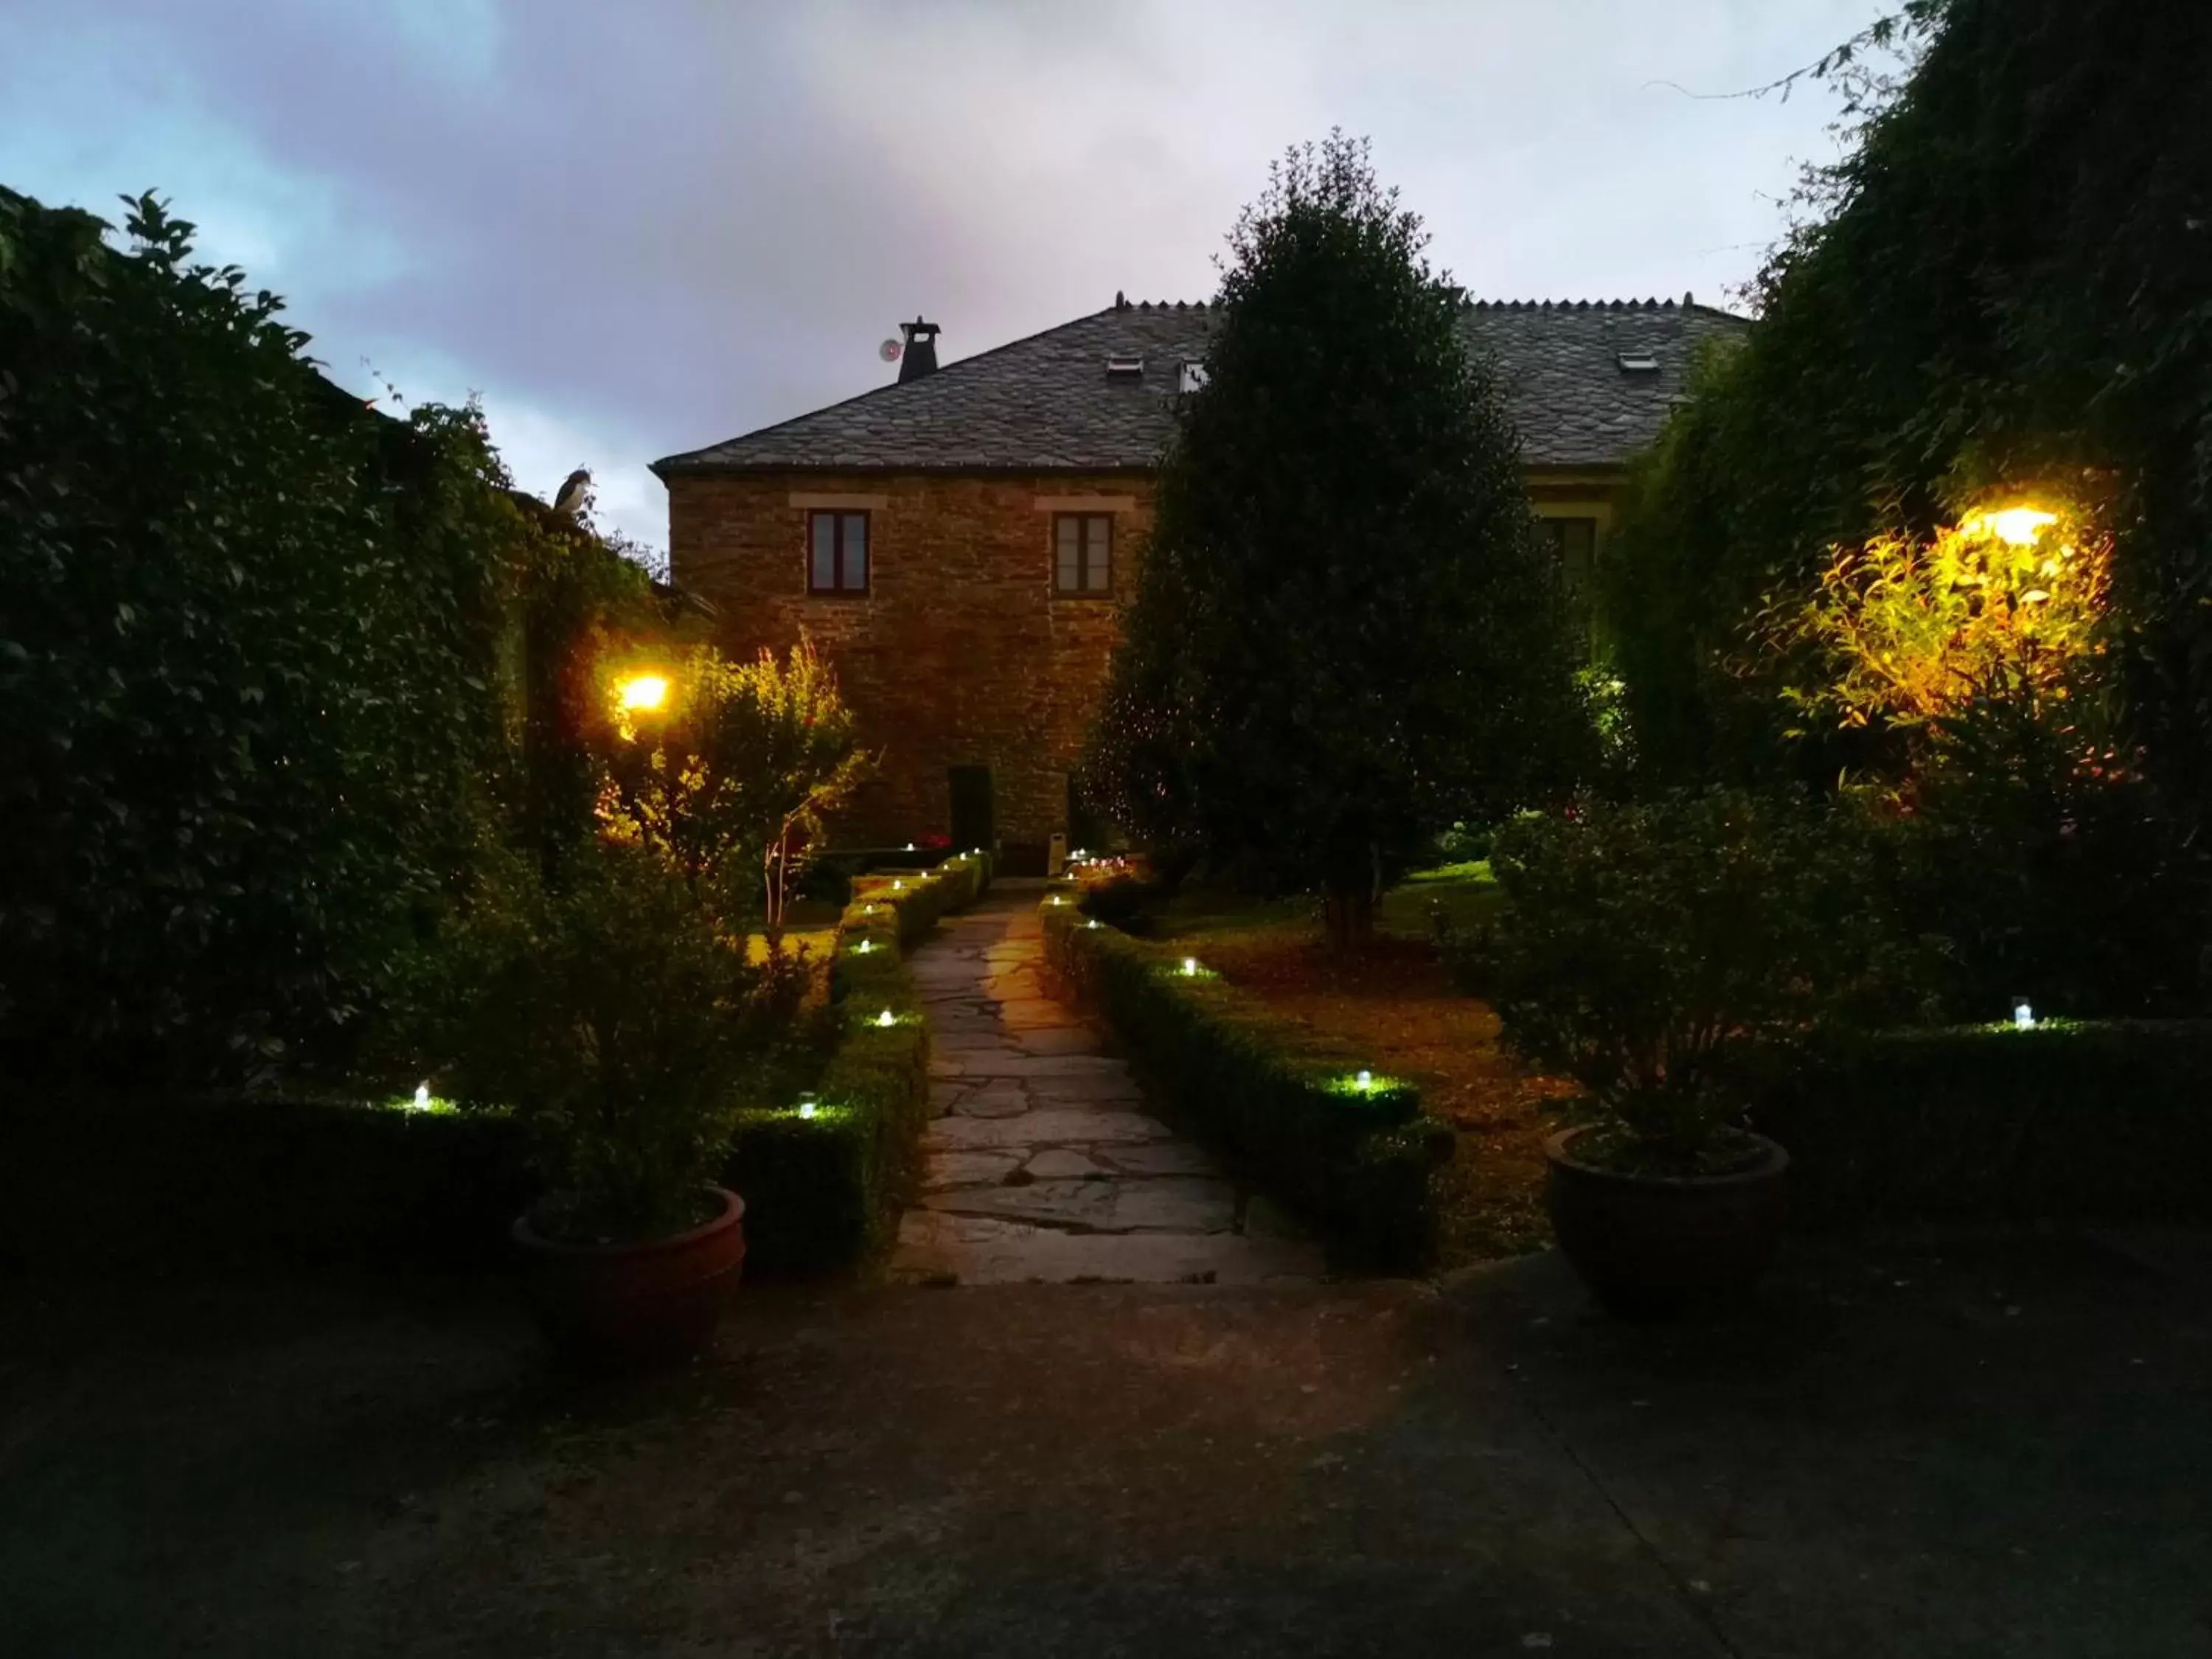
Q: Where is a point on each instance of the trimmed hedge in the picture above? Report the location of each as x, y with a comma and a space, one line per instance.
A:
824, 1191
1356, 1165
236, 1180
240, 1181
2098, 1121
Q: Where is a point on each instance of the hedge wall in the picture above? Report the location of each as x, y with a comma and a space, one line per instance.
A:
2106, 1121
235, 1180
824, 1190
1356, 1165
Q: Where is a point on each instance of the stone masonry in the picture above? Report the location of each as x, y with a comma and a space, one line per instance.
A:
959, 655
1042, 1164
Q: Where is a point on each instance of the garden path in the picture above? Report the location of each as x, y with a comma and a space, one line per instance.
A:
1042, 1164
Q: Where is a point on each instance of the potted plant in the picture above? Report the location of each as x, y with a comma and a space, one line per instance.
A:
1642, 949
613, 1018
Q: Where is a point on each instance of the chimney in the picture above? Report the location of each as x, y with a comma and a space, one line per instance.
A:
919, 357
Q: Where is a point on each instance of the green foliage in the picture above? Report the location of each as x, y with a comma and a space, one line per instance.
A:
1357, 1163
730, 780
1997, 292
1345, 634
1643, 945
824, 1190
260, 668
2070, 1121
616, 1022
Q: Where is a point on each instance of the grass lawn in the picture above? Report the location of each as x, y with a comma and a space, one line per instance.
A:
1395, 1002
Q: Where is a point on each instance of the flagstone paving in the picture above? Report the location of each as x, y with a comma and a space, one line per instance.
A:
1043, 1161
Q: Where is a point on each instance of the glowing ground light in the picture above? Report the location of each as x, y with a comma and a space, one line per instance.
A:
2017, 525
1055, 899
1093, 922
2023, 1017
1364, 1081
909, 846
421, 1097
865, 946
1190, 965
645, 691
886, 1018
898, 887
806, 1105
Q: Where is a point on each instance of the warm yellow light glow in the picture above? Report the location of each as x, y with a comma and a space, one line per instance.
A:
645, 691
2015, 526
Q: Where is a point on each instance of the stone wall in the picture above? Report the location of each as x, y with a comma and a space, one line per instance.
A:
959, 655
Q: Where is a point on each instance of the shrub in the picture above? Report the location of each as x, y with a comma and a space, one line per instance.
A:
730, 777
1355, 1162
1641, 947
619, 1025
2102, 1120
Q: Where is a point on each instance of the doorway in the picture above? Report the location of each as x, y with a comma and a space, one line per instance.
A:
973, 822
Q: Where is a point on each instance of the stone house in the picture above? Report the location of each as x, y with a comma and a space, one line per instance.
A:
955, 541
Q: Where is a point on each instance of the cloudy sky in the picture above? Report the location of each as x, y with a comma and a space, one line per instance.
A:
636, 226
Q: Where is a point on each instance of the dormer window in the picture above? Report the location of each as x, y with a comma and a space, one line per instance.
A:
1190, 377
1636, 362
1125, 368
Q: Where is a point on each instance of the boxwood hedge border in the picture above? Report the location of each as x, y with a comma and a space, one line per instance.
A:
1356, 1164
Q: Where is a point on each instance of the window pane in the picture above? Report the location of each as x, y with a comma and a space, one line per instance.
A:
856, 552
1067, 571
1098, 560
822, 573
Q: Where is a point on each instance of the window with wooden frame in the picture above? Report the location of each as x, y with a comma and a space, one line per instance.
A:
1082, 554
837, 554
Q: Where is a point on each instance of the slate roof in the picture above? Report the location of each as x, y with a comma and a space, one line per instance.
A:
1046, 402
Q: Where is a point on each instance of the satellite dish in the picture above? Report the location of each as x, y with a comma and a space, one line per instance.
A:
888, 351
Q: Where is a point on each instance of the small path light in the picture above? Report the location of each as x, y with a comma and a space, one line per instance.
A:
806, 1105
909, 846
1190, 966
1093, 922
886, 1018
865, 946
1365, 1081
2023, 1017
421, 1097
898, 887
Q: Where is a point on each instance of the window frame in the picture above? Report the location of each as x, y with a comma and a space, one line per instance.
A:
838, 515
1082, 590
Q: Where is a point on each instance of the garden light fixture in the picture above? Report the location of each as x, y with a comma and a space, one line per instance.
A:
806, 1105
1190, 965
1093, 922
421, 1097
865, 946
2023, 1017
886, 1018
898, 887
1364, 1081
909, 846
2017, 526
645, 692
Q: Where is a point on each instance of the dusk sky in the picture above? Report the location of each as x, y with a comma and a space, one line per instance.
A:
645, 227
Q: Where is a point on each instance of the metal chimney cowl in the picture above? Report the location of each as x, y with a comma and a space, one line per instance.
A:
919, 357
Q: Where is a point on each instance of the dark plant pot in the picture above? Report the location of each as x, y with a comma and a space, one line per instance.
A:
621, 1307
1650, 1247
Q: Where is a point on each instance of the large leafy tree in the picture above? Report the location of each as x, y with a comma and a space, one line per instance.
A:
1997, 292
1345, 633
261, 657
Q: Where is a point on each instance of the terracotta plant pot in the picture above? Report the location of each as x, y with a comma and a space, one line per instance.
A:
617, 1307
1650, 1246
